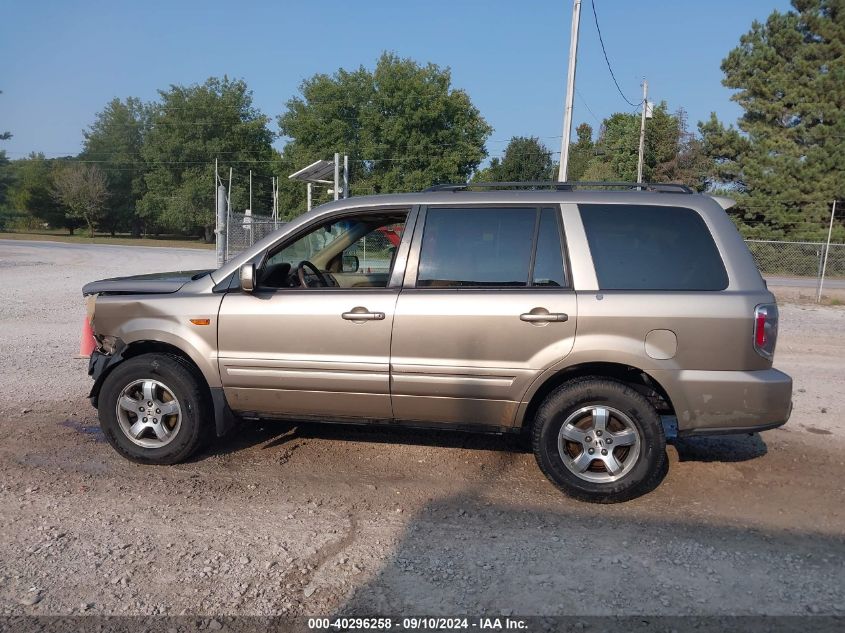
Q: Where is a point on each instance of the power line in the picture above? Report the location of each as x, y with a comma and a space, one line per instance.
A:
603, 50
586, 105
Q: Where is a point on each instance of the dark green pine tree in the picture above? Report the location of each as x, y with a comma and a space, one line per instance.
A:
789, 74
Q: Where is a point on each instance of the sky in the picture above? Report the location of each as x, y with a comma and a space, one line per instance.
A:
61, 62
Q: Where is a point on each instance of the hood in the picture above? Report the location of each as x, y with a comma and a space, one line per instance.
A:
153, 283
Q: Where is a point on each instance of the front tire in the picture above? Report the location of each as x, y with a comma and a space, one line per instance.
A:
599, 440
154, 409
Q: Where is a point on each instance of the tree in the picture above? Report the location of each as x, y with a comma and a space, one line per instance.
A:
114, 143
191, 127
403, 126
524, 158
789, 74
33, 193
82, 189
687, 162
723, 146
621, 140
671, 153
581, 152
6, 175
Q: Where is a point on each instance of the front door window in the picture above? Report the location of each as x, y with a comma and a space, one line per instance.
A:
353, 252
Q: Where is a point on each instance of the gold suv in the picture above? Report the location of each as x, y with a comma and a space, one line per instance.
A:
598, 322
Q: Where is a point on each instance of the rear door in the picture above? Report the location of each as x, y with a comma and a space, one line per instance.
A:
486, 306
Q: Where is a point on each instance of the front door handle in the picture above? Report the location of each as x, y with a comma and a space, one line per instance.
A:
360, 313
541, 315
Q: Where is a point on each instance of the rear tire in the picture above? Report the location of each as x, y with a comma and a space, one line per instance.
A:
599, 440
154, 409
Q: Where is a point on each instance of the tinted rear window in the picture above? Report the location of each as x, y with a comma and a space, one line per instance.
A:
640, 247
476, 247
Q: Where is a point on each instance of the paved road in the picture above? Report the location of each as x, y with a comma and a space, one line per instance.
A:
804, 282
9, 247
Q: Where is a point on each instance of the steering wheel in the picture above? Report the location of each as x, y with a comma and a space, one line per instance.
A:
300, 271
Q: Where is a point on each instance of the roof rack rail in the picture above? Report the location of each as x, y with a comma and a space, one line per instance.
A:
661, 187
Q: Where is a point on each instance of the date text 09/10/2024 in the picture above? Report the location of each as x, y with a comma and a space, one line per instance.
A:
417, 623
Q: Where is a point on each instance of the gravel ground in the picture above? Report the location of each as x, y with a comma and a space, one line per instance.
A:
322, 520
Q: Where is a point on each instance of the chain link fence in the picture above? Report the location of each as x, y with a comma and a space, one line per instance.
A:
242, 231
374, 251
798, 259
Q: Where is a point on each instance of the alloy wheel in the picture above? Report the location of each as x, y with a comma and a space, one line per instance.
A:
599, 444
149, 413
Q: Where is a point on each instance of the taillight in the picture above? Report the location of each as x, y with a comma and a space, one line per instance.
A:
765, 329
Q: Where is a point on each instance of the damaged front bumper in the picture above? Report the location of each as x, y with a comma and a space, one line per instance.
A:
98, 368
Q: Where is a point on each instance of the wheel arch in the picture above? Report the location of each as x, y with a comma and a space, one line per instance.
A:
224, 419
637, 378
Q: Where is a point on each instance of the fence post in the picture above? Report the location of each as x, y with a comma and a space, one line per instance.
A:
826, 252
222, 227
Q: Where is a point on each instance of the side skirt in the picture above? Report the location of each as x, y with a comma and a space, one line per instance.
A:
386, 422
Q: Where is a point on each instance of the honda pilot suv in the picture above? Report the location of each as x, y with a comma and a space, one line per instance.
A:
598, 322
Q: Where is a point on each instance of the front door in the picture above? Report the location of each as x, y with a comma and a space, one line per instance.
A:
313, 338
486, 307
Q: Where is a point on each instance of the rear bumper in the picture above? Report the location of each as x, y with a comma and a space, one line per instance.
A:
723, 402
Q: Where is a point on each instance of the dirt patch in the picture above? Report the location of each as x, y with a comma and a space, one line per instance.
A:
371, 520
834, 297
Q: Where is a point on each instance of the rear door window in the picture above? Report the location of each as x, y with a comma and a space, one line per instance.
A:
491, 247
476, 247
643, 247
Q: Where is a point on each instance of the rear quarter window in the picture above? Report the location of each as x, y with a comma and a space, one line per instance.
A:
642, 247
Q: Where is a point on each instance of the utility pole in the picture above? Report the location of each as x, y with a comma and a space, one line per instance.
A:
336, 175
570, 92
642, 132
826, 252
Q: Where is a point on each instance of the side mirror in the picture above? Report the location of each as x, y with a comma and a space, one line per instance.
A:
350, 264
247, 277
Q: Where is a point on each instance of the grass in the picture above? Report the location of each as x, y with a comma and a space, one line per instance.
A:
104, 238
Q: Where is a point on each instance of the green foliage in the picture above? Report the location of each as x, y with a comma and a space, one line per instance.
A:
618, 145
6, 177
581, 152
599, 170
114, 143
33, 193
6, 173
670, 154
524, 158
189, 128
789, 162
83, 191
403, 126
684, 159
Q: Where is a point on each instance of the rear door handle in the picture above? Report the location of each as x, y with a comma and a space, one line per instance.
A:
360, 313
543, 317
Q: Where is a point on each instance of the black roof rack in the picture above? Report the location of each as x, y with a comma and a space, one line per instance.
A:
661, 187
